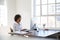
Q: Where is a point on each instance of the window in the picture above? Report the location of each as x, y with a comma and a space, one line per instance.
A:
43, 21
37, 2
58, 21
43, 1
48, 7
58, 9
44, 9
51, 1
51, 9
47, 12
51, 21
57, 1
37, 11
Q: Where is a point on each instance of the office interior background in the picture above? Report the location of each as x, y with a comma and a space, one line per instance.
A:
39, 12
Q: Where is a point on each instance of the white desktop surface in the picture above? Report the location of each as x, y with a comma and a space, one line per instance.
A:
44, 33
40, 33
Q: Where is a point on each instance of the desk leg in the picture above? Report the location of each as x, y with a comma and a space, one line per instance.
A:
57, 37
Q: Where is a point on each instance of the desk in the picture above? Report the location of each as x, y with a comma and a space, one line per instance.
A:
40, 33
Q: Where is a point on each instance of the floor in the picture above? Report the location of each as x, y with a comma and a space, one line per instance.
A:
5, 36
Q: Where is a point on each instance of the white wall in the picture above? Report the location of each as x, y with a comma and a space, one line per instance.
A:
11, 6
11, 11
22, 7
1, 2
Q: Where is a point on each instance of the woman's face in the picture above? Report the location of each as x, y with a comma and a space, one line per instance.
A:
18, 20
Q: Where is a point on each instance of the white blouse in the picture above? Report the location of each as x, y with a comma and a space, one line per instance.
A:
17, 27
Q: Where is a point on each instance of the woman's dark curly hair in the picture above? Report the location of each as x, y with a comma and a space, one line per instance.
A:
17, 17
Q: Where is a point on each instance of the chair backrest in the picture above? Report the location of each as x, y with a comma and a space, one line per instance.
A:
11, 29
